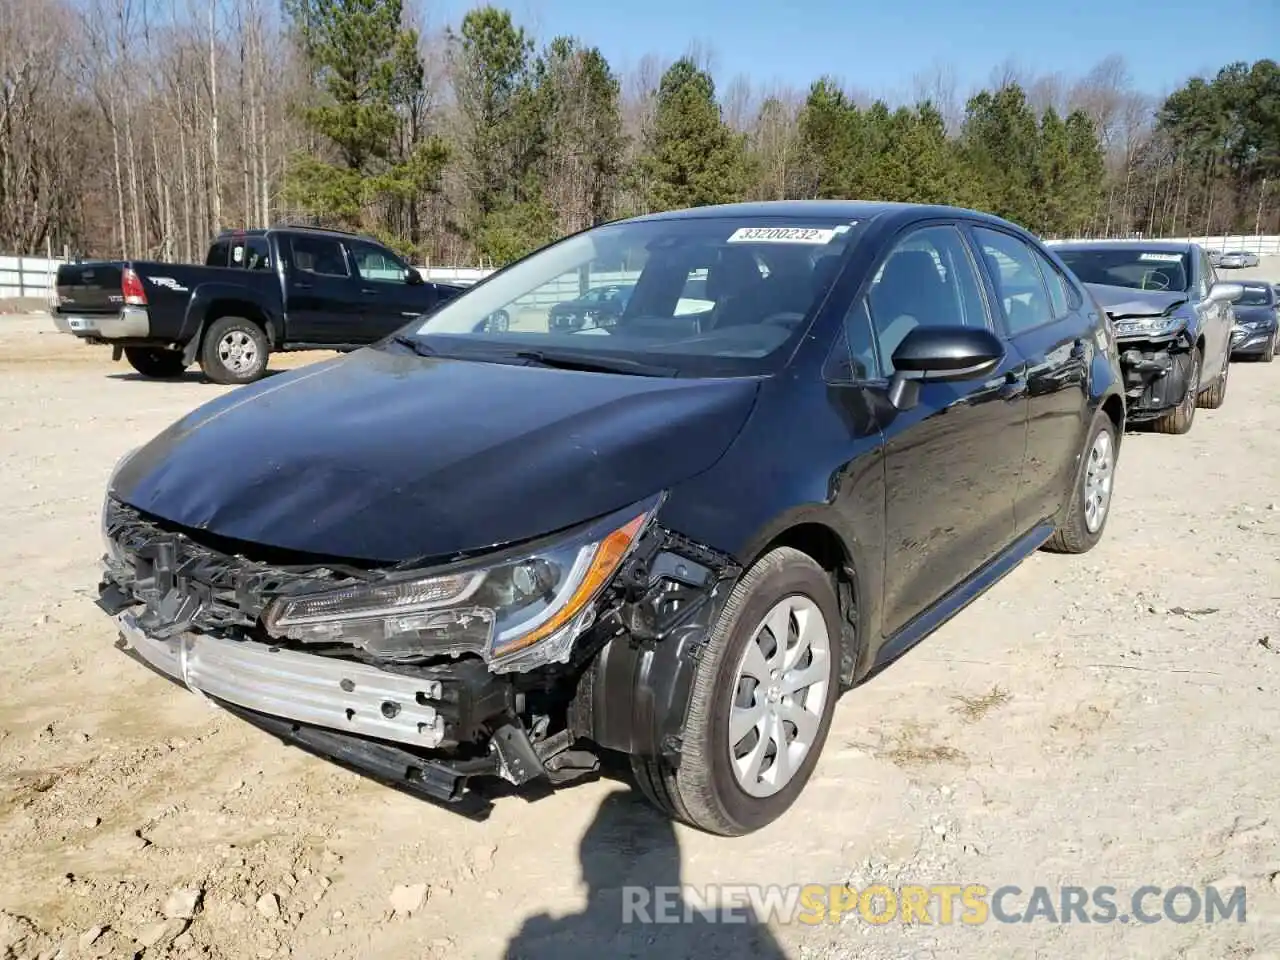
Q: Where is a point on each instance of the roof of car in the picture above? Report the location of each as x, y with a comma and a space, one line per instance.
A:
294, 228
1153, 246
829, 209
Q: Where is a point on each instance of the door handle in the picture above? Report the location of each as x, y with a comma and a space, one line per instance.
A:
299, 285
368, 290
1014, 386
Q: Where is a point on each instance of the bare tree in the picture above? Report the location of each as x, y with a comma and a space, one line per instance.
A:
940, 86
739, 103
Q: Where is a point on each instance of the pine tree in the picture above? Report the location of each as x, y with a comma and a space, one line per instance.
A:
1000, 141
368, 66
694, 158
503, 102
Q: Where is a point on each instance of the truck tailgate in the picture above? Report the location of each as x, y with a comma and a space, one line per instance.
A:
90, 287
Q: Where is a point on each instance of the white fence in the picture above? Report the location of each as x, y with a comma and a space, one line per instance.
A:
34, 276
1261, 245
26, 276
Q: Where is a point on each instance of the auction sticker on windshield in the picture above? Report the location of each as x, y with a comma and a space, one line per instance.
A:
782, 235
1161, 257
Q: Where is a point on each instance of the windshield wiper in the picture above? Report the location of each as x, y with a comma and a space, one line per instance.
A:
579, 361
416, 345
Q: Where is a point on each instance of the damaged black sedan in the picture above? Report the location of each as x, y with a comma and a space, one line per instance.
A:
814, 433
1173, 319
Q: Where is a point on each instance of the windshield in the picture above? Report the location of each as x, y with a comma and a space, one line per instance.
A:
1255, 297
698, 296
1139, 269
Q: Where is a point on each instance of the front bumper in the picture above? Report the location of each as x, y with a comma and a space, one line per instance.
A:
1248, 342
355, 698
131, 323
1156, 373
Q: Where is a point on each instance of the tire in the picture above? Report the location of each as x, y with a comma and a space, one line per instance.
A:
1079, 532
234, 351
155, 363
1268, 354
1179, 420
1216, 396
704, 791
497, 322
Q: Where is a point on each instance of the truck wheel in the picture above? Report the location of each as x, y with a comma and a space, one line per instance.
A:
1216, 396
763, 694
1179, 419
155, 362
234, 351
1090, 504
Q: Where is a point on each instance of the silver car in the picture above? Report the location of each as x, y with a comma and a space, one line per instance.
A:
1237, 258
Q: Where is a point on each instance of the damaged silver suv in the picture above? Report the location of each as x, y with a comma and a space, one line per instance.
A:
814, 432
1173, 320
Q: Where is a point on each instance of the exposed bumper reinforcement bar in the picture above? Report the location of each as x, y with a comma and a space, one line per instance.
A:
352, 698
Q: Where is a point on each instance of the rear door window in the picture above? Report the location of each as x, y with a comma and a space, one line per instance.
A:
219, 254
1016, 277
250, 253
1060, 291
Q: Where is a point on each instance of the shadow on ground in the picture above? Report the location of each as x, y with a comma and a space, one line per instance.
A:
191, 376
627, 855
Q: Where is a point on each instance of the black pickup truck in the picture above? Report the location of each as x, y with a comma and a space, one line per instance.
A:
258, 291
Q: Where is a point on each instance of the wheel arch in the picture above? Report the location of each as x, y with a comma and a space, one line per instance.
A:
811, 534
1113, 407
212, 302
238, 307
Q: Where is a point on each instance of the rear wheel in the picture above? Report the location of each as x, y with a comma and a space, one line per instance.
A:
234, 351
1179, 419
1090, 505
763, 694
155, 362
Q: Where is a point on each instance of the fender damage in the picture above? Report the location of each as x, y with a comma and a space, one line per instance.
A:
1156, 341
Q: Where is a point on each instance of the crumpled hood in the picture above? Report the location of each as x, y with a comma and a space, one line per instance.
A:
387, 456
1124, 302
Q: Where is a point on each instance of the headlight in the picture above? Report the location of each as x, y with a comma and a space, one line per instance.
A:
1150, 326
111, 480
520, 610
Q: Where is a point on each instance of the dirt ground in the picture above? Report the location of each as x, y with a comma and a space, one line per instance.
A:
1105, 719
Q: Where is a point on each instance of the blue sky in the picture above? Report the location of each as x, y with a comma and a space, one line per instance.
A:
879, 46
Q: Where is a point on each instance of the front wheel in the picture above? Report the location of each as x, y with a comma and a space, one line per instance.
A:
234, 351
1179, 419
1090, 504
154, 362
1216, 396
763, 694
1269, 352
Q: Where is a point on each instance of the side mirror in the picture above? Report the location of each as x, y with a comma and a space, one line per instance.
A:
413, 278
1223, 290
939, 353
